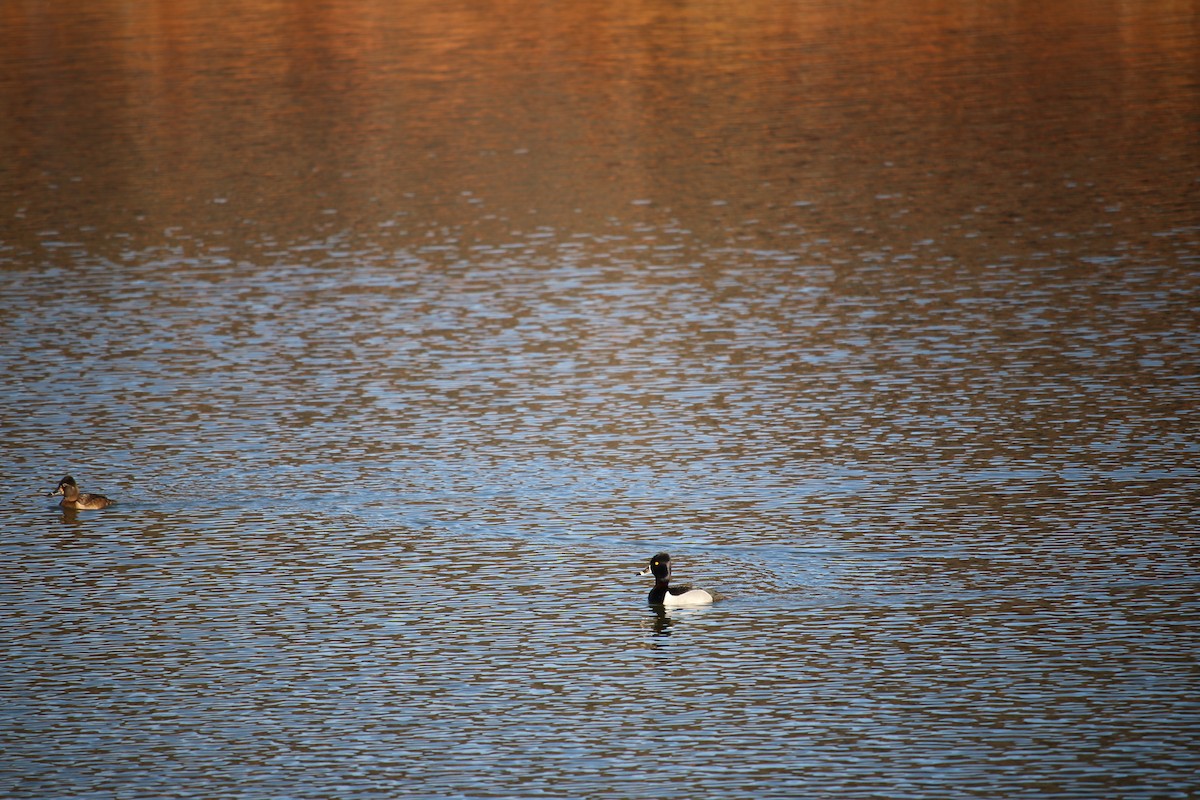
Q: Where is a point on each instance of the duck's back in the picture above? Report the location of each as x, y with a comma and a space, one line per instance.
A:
686, 596
87, 502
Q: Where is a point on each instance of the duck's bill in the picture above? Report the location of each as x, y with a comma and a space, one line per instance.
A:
645, 572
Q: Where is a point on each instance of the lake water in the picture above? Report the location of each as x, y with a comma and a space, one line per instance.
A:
404, 333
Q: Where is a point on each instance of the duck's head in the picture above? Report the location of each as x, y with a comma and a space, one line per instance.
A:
659, 567
62, 486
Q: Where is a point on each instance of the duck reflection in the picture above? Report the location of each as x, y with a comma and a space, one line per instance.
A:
664, 618
662, 622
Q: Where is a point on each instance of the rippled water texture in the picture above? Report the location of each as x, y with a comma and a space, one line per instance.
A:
404, 333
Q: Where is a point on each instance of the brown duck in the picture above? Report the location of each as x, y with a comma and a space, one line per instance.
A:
73, 498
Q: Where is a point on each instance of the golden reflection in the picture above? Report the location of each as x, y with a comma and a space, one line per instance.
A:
286, 118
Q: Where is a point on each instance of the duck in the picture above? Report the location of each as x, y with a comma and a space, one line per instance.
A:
664, 594
73, 498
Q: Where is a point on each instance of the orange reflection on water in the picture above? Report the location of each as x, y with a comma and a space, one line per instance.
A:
281, 112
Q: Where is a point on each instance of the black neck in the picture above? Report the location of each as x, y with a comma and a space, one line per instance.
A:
659, 592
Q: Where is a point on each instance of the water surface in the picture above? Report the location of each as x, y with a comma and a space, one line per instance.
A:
404, 336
